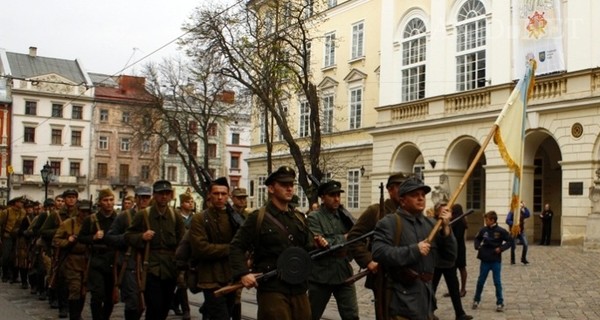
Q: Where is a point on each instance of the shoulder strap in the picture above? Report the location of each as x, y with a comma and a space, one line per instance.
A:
398, 230
260, 218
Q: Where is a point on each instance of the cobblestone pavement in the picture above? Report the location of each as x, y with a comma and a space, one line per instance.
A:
559, 283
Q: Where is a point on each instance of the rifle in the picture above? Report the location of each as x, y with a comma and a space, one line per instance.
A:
379, 289
313, 255
365, 272
138, 274
345, 212
234, 217
146, 256
59, 256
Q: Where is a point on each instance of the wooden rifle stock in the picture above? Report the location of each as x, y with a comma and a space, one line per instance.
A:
138, 274
236, 286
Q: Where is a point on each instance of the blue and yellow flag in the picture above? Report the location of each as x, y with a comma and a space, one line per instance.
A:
510, 136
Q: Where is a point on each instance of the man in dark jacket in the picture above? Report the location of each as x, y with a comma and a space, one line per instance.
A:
400, 245
100, 273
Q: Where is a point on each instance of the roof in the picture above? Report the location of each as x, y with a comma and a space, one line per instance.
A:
104, 80
27, 66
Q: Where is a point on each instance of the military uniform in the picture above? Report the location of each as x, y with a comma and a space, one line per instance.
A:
73, 258
100, 274
40, 265
22, 244
181, 295
329, 272
10, 219
162, 270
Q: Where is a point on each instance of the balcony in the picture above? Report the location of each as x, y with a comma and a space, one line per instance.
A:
18, 180
117, 182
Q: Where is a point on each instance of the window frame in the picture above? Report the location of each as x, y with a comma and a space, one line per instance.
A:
77, 112
29, 134
30, 108
353, 189
357, 47
76, 138
355, 108
57, 110
329, 50
56, 136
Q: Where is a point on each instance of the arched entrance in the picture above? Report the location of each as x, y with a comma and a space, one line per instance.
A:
460, 155
407, 158
542, 167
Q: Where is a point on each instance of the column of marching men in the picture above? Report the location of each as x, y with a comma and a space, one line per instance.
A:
150, 255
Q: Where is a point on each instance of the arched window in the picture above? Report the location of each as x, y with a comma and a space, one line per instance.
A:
414, 50
470, 46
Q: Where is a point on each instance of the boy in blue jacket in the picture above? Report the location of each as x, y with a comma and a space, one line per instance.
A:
490, 242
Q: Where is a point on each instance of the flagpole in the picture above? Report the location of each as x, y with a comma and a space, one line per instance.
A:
463, 181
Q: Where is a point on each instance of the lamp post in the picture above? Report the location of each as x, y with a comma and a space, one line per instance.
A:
46, 172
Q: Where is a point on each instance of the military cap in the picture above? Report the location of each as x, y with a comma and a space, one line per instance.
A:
283, 174
84, 205
222, 181
185, 197
16, 199
105, 193
329, 187
412, 184
70, 192
143, 191
49, 203
239, 192
162, 185
28, 204
396, 178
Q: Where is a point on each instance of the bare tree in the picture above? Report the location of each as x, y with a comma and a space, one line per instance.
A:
192, 102
265, 48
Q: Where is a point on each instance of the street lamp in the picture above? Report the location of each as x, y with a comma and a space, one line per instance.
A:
46, 172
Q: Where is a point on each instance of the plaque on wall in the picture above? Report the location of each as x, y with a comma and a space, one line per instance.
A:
575, 188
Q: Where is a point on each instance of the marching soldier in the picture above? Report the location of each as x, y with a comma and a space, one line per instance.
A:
267, 232
186, 210
156, 232
126, 265
22, 242
58, 295
239, 197
9, 224
328, 273
41, 251
72, 263
100, 278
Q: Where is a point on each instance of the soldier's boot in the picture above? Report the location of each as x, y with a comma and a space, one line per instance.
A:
74, 312
132, 315
236, 313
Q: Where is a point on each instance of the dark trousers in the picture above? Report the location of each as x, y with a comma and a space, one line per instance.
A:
345, 297
546, 232
181, 299
453, 287
217, 308
281, 306
100, 285
8, 259
522, 237
158, 296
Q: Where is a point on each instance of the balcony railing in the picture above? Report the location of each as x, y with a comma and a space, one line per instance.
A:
18, 179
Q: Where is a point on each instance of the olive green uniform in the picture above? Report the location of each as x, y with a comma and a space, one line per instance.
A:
10, 220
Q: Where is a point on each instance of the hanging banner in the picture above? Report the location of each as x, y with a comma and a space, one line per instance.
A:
537, 29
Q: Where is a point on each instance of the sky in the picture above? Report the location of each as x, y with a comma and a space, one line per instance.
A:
104, 35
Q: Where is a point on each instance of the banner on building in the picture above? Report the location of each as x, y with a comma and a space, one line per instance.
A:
537, 30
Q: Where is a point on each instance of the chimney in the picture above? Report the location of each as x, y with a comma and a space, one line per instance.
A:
33, 52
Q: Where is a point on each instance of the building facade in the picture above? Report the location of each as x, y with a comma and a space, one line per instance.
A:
51, 109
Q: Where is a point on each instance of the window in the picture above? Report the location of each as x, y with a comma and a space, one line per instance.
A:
55, 168
327, 121
56, 136
145, 174
57, 110
329, 57
29, 134
308, 8
331, 3
74, 169
125, 144
262, 134
172, 147
193, 148
125, 117
304, 119
358, 40
212, 150
413, 60
103, 115
76, 138
124, 173
355, 108
303, 200
193, 127
538, 184
27, 166
77, 112
261, 192
353, 199
172, 173
235, 138
31, 108
146, 146
212, 130
103, 142
235, 161
470, 46
102, 171
476, 187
